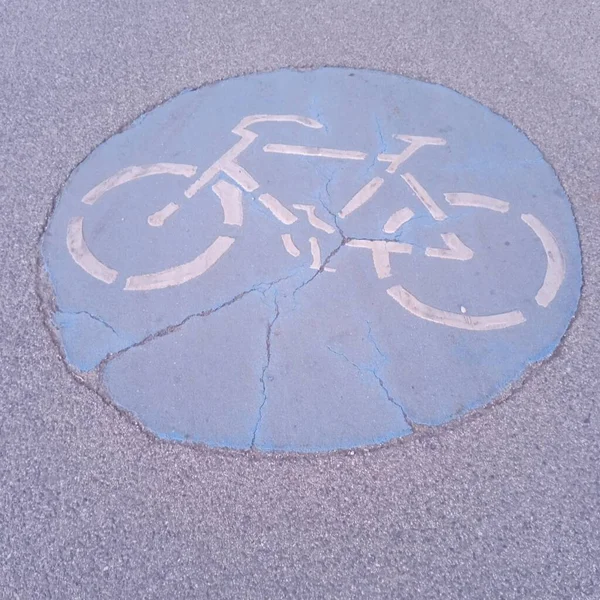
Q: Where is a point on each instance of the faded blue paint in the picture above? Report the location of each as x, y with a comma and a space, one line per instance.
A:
302, 362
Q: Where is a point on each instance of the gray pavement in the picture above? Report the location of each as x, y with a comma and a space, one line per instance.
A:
501, 504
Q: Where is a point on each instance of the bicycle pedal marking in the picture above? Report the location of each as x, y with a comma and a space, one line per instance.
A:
380, 251
245, 269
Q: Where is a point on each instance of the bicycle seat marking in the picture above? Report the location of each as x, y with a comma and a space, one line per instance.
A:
309, 261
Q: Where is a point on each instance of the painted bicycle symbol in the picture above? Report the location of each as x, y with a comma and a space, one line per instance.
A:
226, 169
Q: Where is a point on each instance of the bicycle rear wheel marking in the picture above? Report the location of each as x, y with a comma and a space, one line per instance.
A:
132, 173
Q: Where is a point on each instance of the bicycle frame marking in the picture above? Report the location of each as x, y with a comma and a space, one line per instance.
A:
230, 197
313, 220
278, 210
318, 152
421, 193
227, 163
415, 142
231, 202
361, 197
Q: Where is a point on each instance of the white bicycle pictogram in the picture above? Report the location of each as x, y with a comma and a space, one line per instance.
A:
227, 169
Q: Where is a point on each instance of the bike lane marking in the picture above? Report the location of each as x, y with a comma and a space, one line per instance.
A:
239, 311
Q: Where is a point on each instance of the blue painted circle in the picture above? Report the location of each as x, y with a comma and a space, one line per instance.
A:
343, 254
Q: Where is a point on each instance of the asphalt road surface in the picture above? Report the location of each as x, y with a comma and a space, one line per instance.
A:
503, 503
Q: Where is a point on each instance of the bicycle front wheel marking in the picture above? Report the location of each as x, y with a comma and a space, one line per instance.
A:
555, 269
457, 320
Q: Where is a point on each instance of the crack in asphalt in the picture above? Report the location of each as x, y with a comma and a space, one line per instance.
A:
374, 372
260, 288
264, 372
321, 269
91, 316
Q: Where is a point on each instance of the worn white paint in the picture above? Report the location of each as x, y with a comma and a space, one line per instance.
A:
398, 219
158, 218
450, 319
181, 273
315, 251
240, 176
434, 210
230, 197
317, 223
278, 210
381, 250
314, 151
83, 257
361, 197
227, 163
455, 249
132, 173
288, 244
477, 201
240, 128
415, 142
556, 267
